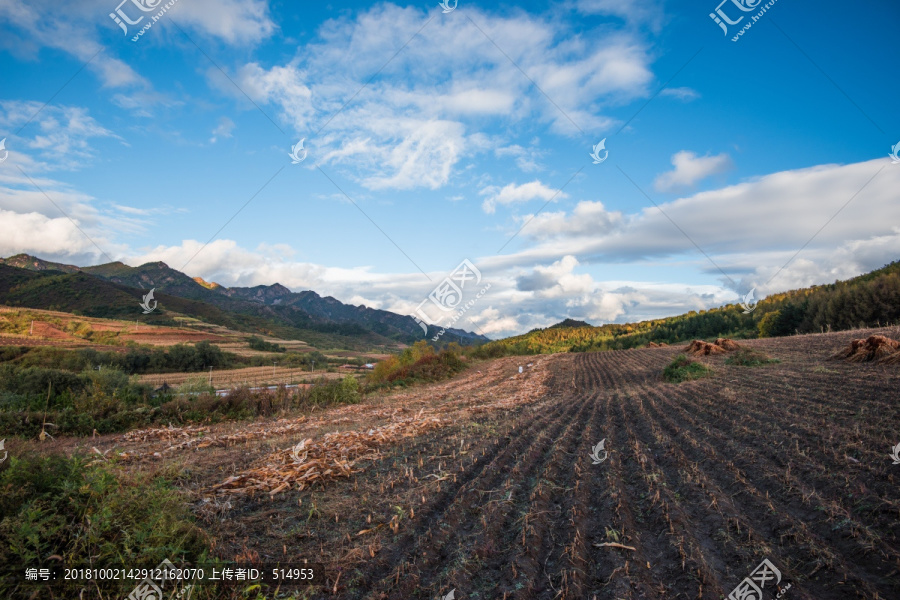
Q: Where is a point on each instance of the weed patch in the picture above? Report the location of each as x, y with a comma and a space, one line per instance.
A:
683, 368
65, 511
750, 358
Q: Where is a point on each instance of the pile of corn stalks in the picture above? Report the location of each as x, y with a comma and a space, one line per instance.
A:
334, 455
196, 436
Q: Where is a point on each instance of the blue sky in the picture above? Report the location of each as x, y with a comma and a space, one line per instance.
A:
435, 137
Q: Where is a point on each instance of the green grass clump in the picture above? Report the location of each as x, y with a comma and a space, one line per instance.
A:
683, 368
746, 357
57, 510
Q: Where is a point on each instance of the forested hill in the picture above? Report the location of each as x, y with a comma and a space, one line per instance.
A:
869, 300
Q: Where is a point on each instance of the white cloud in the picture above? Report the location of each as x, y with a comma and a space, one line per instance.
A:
750, 230
63, 133
512, 194
526, 158
421, 114
36, 233
71, 28
689, 169
684, 94
587, 219
142, 102
234, 21
224, 129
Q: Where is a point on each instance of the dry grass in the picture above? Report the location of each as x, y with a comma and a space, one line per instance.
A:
251, 376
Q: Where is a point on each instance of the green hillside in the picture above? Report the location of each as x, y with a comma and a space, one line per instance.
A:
82, 294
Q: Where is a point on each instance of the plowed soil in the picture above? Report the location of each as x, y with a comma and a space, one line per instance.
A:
703, 480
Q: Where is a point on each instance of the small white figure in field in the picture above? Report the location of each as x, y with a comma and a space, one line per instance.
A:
595, 454
451, 595
2, 447
895, 455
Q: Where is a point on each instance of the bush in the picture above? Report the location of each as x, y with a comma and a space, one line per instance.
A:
64, 507
683, 368
257, 343
418, 363
335, 391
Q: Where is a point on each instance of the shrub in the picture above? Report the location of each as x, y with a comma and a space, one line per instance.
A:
432, 367
335, 391
418, 363
65, 507
257, 343
683, 368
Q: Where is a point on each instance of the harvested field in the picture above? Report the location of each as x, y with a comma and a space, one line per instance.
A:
494, 493
251, 376
48, 332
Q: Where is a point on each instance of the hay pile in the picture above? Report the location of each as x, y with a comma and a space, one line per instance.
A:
655, 345
720, 346
333, 456
875, 348
729, 344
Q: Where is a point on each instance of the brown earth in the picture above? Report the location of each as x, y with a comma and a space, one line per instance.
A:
702, 481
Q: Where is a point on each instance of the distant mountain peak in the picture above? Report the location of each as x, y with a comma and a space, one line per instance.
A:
210, 285
275, 304
33, 263
571, 323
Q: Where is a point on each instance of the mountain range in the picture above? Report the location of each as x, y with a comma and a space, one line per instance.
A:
113, 290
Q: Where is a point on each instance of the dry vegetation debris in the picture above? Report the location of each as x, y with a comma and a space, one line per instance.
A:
720, 346
196, 437
334, 455
875, 348
338, 454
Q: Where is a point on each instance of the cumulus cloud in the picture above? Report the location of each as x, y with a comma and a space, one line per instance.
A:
587, 219
689, 169
750, 230
513, 194
411, 123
